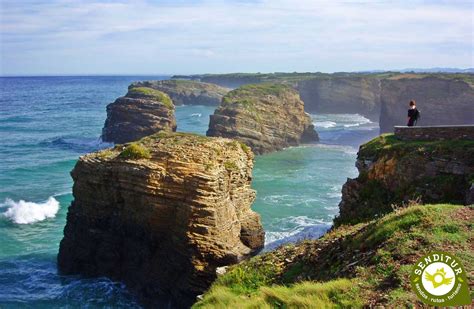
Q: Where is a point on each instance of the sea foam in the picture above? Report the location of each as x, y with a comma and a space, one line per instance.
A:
23, 212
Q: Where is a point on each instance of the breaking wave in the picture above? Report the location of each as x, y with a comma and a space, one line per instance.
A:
23, 212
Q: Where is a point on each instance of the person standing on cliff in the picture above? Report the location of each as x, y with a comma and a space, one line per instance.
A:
413, 114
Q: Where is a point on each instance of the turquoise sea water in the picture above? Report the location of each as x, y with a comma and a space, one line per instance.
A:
46, 123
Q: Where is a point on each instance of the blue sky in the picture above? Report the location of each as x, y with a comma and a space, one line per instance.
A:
173, 37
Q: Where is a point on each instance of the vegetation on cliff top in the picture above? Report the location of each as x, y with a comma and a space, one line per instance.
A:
140, 92
283, 77
351, 266
249, 94
389, 143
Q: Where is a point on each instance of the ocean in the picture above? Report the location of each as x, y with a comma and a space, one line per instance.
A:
46, 123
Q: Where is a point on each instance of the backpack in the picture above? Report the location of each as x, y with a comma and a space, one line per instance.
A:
417, 114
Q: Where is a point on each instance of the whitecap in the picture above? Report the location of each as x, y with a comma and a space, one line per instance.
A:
196, 115
325, 124
23, 212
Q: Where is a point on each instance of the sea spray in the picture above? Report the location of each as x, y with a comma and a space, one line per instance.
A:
23, 212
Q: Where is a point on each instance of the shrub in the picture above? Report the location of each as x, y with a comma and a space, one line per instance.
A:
135, 151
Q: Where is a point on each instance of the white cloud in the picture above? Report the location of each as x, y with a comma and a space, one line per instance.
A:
214, 36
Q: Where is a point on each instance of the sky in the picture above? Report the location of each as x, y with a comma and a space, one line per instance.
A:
69, 37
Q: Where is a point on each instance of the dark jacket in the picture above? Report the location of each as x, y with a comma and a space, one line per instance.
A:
413, 115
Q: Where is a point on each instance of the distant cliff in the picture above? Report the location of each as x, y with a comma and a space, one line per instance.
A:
441, 100
346, 95
266, 117
187, 92
392, 172
162, 214
141, 112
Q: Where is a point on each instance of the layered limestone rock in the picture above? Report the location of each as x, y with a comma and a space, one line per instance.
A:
187, 92
162, 214
347, 95
141, 112
266, 117
441, 100
394, 173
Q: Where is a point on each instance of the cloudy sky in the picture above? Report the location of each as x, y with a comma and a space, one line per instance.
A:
184, 36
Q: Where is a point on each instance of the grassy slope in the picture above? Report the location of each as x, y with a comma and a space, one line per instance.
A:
351, 266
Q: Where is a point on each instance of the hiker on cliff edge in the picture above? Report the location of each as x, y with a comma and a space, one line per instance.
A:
413, 114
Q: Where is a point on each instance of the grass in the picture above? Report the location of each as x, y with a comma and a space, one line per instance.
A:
230, 166
151, 93
350, 267
389, 143
135, 151
248, 95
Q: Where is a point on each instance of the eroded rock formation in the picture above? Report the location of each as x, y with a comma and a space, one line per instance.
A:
141, 112
442, 101
266, 117
393, 172
162, 214
187, 92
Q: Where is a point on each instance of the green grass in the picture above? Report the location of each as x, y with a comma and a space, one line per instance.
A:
135, 151
387, 143
351, 266
248, 95
230, 166
151, 93
333, 294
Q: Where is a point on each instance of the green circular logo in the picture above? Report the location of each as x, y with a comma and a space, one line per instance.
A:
439, 279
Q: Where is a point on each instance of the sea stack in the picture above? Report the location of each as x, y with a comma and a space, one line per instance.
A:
141, 112
162, 214
266, 117
187, 92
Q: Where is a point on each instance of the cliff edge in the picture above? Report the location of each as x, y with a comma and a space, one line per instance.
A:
162, 214
393, 172
266, 117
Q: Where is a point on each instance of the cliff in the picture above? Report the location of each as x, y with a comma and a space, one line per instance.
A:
162, 214
266, 117
366, 265
187, 92
442, 100
141, 112
392, 172
346, 95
